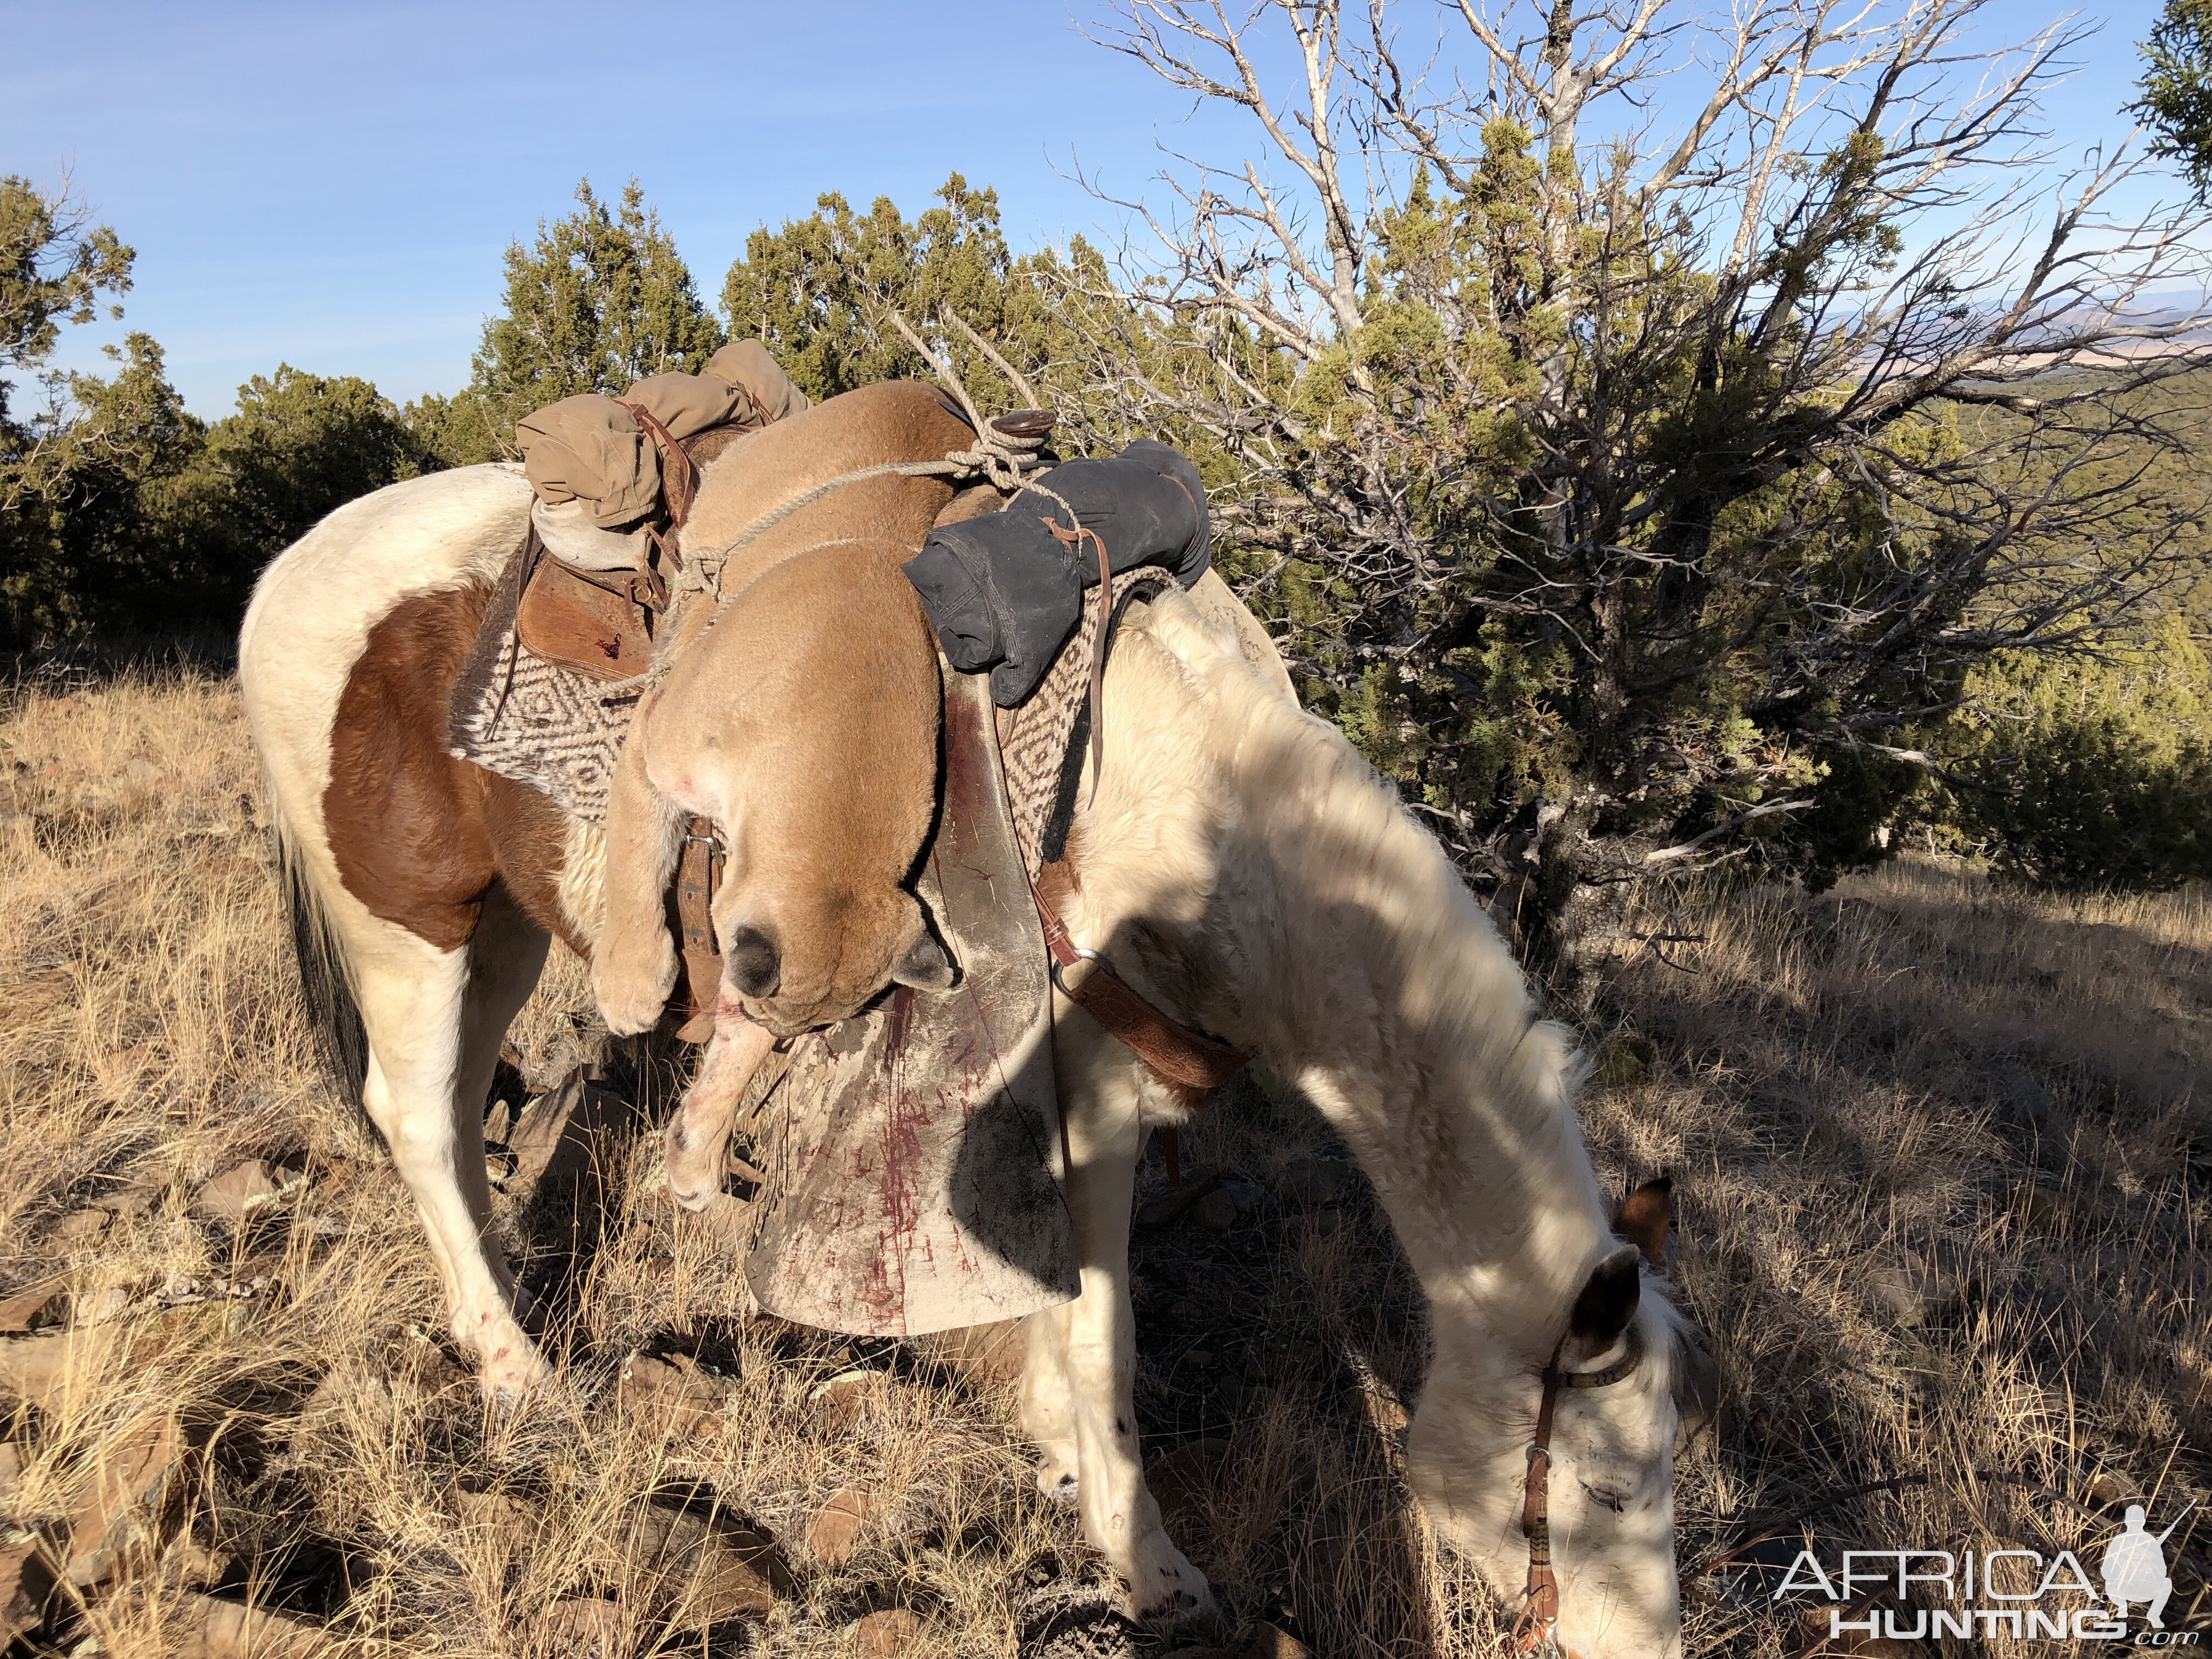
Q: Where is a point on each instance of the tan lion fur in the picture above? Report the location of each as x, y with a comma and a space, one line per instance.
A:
803, 722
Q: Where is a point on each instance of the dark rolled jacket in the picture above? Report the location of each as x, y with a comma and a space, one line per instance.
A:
1003, 592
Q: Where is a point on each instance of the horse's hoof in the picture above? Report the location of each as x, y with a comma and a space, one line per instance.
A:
1057, 1476
509, 1367
1165, 1591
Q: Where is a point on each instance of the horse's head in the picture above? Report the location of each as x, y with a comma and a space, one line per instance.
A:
1608, 1408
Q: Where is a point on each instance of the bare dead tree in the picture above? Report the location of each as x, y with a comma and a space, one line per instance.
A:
1681, 400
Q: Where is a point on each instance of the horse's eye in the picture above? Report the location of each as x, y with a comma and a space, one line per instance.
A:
1612, 1500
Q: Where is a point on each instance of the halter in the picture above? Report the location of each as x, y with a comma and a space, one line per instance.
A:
1539, 1617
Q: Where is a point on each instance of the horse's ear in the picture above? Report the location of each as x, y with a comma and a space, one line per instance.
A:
1645, 1217
1605, 1305
753, 962
926, 966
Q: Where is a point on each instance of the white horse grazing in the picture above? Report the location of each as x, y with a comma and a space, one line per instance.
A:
1238, 864
1245, 868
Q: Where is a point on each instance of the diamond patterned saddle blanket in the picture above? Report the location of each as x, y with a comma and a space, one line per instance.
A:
913, 1154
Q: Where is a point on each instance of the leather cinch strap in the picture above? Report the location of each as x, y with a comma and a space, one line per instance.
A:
1185, 1059
698, 872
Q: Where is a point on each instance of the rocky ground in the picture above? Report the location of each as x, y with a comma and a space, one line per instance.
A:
1942, 1153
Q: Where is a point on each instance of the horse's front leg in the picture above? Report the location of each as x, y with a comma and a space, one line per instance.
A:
1048, 1408
697, 1139
1100, 1094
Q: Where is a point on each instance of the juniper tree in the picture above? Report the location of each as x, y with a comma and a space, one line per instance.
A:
598, 299
2177, 88
1640, 495
820, 293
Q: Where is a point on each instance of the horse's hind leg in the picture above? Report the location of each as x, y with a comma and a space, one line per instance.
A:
1101, 1097
507, 954
433, 1020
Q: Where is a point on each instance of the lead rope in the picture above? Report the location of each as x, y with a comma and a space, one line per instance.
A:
1001, 458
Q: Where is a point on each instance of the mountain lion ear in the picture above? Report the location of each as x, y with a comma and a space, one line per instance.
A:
924, 966
1645, 1218
754, 963
1606, 1304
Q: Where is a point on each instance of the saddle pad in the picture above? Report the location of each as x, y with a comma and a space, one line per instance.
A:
913, 1153
1039, 740
517, 714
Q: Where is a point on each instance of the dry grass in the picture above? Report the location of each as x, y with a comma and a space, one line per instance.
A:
1943, 1153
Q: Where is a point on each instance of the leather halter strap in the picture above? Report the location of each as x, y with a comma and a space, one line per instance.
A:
1539, 1613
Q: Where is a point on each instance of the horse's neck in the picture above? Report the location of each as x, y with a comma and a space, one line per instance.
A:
1326, 932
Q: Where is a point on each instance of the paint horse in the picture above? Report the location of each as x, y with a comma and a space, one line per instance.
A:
1237, 863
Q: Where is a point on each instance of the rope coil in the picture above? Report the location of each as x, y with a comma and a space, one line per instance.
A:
1004, 460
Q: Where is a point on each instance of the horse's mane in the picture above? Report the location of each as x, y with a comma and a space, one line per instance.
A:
1374, 974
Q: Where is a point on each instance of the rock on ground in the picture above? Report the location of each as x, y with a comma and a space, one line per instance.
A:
27, 1579
586, 1627
836, 1525
675, 1394
241, 1190
717, 1570
887, 1634
230, 1630
37, 1305
112, 1506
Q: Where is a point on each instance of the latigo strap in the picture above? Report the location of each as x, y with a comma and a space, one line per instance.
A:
697, 874
1189, 1062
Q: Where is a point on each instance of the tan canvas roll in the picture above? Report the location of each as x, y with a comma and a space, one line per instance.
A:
686, 403
590, 448
770, 394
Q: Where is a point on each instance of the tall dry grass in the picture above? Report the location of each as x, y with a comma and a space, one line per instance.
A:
1942, 1152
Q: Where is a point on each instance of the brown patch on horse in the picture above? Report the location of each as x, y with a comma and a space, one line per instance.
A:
418, 835
529, 838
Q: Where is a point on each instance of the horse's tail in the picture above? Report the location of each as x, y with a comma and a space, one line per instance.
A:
326, 981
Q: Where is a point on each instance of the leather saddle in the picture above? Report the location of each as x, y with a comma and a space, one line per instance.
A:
601, 624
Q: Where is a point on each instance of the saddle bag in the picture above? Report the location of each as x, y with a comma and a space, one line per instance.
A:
599, 622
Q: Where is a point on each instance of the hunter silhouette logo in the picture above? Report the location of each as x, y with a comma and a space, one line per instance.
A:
2019, 1592
2135, 1567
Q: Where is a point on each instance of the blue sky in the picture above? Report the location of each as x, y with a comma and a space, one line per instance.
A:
333, 186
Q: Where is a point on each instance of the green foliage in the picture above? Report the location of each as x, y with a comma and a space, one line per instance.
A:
819, 293
87, 539
599, 298
138, 518
2093, 774
53, 269
2177, 88
120, 511
299, 446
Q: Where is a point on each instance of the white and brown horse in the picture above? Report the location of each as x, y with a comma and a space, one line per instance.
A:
1237, 862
